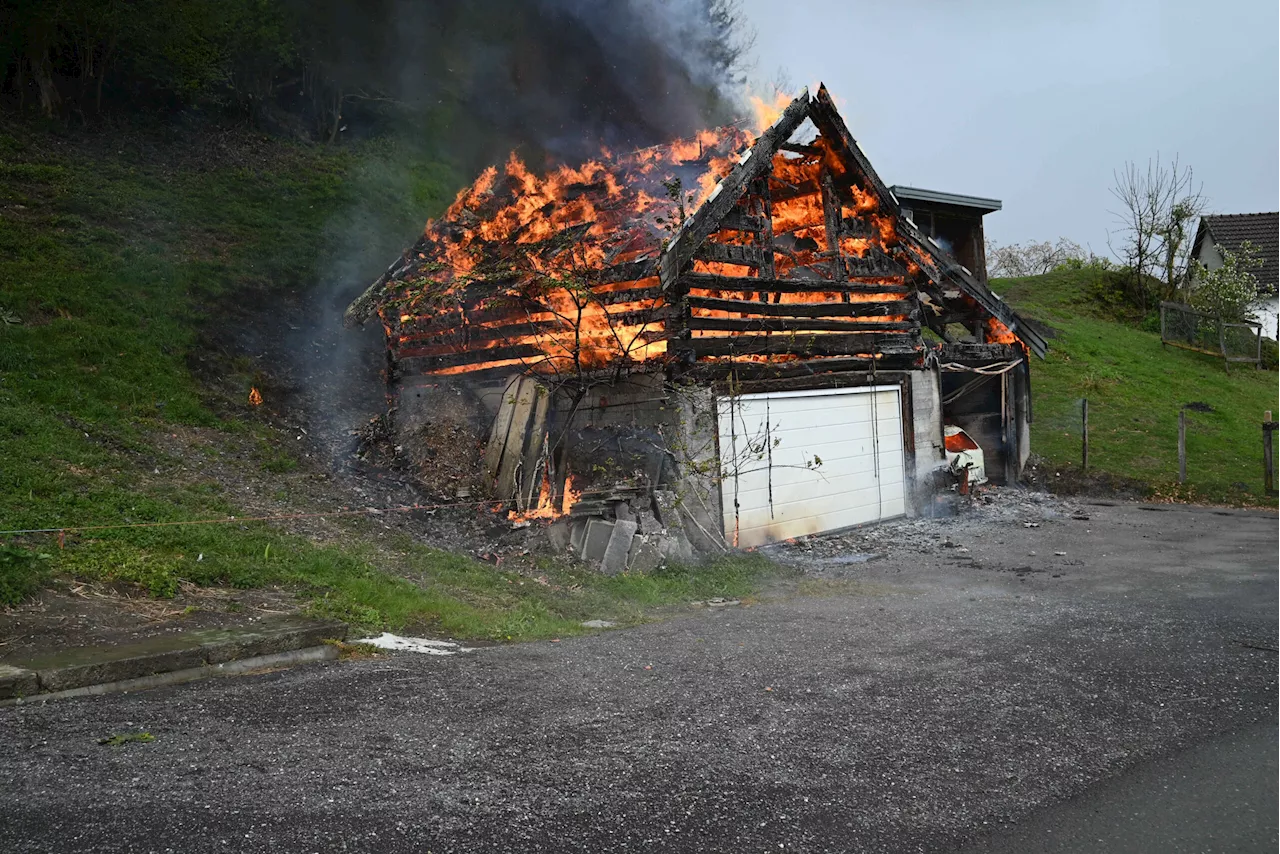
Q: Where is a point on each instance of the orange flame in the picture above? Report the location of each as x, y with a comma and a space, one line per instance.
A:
502, 275
998, 333
255, 397
768, 112
546, 508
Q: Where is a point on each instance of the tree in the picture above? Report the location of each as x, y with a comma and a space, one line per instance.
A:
1229, 290
1031, 258
1157, 206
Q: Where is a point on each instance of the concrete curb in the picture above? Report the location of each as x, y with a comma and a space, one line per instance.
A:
172, 659
327, 652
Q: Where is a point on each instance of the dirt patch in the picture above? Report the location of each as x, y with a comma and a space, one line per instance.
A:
79, 614
1069, 480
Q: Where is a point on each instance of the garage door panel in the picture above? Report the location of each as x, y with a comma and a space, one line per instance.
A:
835, 491
793, 504
795, 450
858, 436
827, 478
810, 518
835, 457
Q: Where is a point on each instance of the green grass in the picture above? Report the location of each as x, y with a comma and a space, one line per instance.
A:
1135, 388
110, 264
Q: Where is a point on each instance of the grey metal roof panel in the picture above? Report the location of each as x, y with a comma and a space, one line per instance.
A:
917, 194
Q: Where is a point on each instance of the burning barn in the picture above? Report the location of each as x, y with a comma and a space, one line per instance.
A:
716, 342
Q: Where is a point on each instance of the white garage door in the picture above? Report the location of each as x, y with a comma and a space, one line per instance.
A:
802, 462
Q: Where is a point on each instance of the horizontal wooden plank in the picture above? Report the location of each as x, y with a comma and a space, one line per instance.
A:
874, 263
513, 310
739, 220
789, 286
777, 324
805, 345
627, 271
469, 357
799, 148
747, 256
740, 374
830, 309
811, 379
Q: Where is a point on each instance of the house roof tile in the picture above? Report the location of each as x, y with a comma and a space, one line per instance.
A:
1230, 231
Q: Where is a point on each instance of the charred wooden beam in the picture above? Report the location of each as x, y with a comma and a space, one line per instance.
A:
766, 270
977, 354
627, 271
812, 379
428, 363
508, 310
788, 373
727, 253
791, 286
785, 191
799, 148
827, 119
726, 194
781, 324
772, 309
653, 292
739, 220
859, 228
874, 263
854, 344
831, 226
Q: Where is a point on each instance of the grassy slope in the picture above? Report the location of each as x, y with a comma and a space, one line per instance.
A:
1135, 388
106, 263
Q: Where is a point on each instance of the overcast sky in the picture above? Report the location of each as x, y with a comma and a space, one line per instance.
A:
1036, 102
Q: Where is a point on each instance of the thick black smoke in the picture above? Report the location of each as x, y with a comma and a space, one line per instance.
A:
560, 76
466, 81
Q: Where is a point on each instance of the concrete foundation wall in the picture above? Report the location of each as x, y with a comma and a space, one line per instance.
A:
696, 447
930, 454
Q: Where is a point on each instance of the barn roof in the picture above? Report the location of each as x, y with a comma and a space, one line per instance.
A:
624, 212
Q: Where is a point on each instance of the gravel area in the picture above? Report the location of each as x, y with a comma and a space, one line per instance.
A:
931, 683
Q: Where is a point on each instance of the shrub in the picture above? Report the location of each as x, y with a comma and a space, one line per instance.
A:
22, 573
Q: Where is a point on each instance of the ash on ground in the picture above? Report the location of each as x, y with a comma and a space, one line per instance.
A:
991, 517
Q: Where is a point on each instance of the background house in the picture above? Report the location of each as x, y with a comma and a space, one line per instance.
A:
1231, 231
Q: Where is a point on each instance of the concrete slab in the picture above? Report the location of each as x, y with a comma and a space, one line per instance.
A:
17, 682
645, 556
595, 540
69, 669
615, 555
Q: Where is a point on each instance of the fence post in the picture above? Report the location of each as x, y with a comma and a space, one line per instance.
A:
1222, 345
1163, 337
1182, 446
1084, 434
1268, 455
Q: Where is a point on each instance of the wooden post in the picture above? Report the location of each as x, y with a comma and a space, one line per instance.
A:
1268, 455
1084, 434
1163, 337
1182, 446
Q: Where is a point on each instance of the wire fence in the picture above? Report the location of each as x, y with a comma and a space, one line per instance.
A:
1184, 327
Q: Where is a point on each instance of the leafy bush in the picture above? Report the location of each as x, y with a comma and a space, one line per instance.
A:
22, 573
1228, 290
1270, 354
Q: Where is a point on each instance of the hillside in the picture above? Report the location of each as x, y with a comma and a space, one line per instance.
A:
146, 285
1135, 387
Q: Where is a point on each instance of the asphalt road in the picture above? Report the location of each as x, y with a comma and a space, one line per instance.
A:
970, 696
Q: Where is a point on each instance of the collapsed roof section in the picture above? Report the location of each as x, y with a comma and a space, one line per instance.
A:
721, 250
